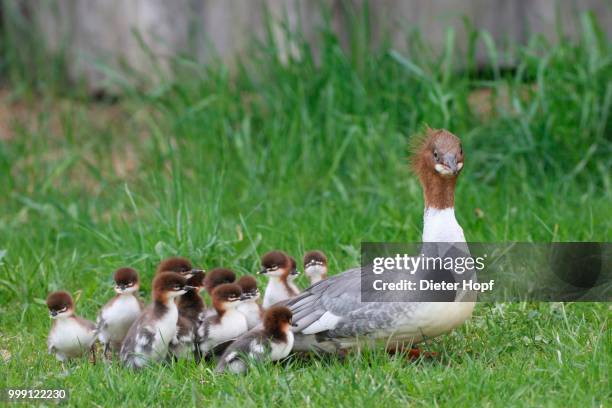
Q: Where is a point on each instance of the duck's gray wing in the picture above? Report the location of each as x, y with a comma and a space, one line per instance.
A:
333, 307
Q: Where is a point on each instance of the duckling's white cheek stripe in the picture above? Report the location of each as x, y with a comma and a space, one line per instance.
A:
460, 166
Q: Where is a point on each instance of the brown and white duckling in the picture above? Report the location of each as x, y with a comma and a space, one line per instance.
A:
272, 342
250, 308
278, 267
227, 324
214, 278
150, 335
117, 316
70, 336
315, 266
190, 308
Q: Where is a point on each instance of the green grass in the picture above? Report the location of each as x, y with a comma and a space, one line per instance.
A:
223, 165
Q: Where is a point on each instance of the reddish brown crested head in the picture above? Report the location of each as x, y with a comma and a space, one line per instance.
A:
226, 296
275, 263
218, 276
277, 321
197, 280
175, 264
248, 284
314, 258
126, 277
437, 159
60, 303
168, 285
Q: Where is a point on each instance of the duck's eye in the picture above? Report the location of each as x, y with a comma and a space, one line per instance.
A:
273, 268
177, 287
435, 154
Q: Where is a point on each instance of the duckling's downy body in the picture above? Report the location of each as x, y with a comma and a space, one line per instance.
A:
70, 336
279, 268
151, 334
117, 316
272, 342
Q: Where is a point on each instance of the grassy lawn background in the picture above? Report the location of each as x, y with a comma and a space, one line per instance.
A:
223, 165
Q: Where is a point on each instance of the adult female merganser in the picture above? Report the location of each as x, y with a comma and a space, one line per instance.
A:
150, 335
330, 315
117, 316
70, 335
315, 266
278, 266
272, 342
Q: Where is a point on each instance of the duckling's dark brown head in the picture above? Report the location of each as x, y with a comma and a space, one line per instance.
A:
248, 284
275, 263
197, 280
218, 276
227, 296
278, 320
60, 304
176, 264
126, 280
169, 285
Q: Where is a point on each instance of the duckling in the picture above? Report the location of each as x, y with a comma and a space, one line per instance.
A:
150, 335
70, 336
190, 307
315, 266
117, 316
272, 342
214, 278
228, 323
250, 308
278, 266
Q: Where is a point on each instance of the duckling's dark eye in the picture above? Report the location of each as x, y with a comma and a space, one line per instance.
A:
435, 155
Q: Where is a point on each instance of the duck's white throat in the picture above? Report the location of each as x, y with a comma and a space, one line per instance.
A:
440, 225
